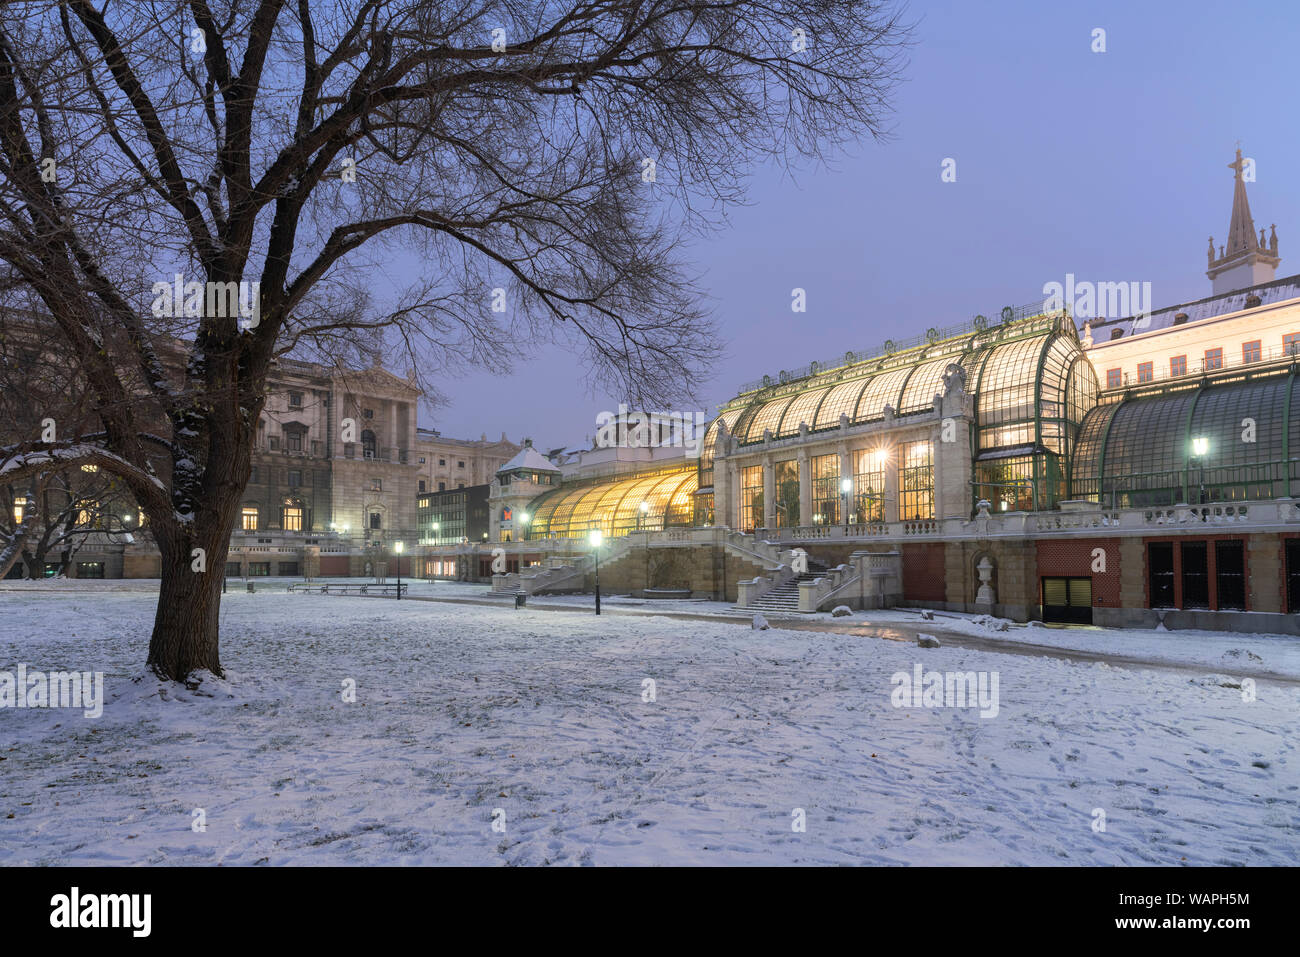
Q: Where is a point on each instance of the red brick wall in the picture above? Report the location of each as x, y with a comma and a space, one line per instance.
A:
924, 572
1072, 557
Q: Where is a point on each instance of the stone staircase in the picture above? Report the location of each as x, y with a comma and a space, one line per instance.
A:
785, 596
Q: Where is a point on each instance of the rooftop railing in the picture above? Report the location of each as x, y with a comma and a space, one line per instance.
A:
932, 336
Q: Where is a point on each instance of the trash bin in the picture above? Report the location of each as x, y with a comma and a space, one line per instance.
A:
521, 599
250, 587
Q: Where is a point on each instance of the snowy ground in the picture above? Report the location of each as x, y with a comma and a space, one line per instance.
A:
463, 709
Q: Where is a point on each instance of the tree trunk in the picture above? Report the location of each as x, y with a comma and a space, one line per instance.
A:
185, 628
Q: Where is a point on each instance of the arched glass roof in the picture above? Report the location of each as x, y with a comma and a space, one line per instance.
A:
1191, 444
1032, 381
614, 505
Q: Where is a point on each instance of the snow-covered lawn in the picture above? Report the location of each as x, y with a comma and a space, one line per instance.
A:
464, 709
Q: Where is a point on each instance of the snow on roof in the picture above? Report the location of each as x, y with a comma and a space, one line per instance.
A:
1279, 290
529, 458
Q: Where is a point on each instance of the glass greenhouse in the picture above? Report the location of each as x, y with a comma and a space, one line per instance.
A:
1192, 443
1033, 388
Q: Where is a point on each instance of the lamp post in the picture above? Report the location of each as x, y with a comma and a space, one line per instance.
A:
846, 486
1200, 447
397, 548
596, 538
644, 513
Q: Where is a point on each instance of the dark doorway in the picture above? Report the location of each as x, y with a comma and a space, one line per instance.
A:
1230, 576
1068, 600
1196, 575
1293, 575
1160, 573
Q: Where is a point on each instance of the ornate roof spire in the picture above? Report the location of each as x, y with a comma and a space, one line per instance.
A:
1241, 228
1246, 259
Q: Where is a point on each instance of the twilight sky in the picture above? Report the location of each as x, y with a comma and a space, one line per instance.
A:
1111, 166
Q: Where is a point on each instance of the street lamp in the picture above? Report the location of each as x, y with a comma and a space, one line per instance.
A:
523, 525
1200, 448
596, 538
846, 486
641, 520
397, 547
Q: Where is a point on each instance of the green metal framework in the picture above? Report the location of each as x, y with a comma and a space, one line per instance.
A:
1140, 447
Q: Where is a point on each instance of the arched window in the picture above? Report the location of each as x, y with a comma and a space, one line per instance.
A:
368, 444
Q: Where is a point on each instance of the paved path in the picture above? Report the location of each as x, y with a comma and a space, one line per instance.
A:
905, 633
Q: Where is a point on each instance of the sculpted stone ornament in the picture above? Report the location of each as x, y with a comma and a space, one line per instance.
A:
985, 594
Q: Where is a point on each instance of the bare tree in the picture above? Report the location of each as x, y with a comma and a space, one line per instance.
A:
551, 156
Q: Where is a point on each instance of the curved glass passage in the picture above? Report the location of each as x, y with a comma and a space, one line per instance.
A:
614, 505
1192, 445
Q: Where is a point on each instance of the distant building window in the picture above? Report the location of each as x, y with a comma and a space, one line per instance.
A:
368, 444
1250, 351
252, 475
259, 569
421, 459
460, 465
1145, 372
1114, 378
376, 485
1291, 343
421, 485
1213, 359
375, 520
288, 568
1178, 365
460, 485
442, 461
295, 477
295, 400
248, 518
367, 413
293, 441
292, 518
90, 569
442, 486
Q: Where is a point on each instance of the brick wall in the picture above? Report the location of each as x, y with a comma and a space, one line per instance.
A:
1073, 557
923, 572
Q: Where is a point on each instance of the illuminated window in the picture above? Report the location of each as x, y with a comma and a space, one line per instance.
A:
869, 484
751, 498
248, 518
1213, 359
916, 481
90, 468
1178, 365
1114, 378
786, 475
292, 518
1145, 372
825, 470
1250, 351
19, 504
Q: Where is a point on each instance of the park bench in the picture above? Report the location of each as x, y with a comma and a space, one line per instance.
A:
349, 588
